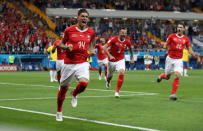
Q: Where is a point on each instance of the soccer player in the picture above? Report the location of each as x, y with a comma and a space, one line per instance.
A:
78, 39
185, 61
117, 46
156, 59
148, 61
101, 58
52, 58
175, 45
60, 56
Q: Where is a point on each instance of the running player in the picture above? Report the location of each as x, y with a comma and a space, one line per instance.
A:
117, 46
174, 63
78, 39
101, 58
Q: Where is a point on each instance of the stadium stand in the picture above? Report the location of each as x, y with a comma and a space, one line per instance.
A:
31, 31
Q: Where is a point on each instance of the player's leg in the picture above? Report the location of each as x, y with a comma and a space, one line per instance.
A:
168, 69
66, 77
105, 70
100, 69
54, 71
82, 74
110, 71
119, 82
120, 67
178, 68
185, 67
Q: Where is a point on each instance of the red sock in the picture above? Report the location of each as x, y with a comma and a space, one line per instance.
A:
106, 71
175, 85
100, 71
163, 76
79, 88
60, 98
58, 77
119, 82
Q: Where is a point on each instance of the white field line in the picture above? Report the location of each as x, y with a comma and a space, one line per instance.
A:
81, 119
47, 98
3, 83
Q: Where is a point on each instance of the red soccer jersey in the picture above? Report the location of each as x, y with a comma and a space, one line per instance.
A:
177, 45
117, 47
60, 52
80, 39
100, 52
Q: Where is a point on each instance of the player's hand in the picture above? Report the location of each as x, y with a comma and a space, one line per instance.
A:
69, 47
112, 58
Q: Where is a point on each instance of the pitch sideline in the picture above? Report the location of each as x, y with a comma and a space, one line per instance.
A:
81, 119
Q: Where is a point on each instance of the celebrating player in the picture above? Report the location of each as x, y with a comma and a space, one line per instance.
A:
60, 57
101, 57
117, 46
77, 40
175, 45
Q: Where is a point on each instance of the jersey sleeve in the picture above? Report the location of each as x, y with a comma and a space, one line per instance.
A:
110, 41
168, 41
65, 37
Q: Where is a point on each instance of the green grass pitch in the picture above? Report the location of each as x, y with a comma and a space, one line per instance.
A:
143, 103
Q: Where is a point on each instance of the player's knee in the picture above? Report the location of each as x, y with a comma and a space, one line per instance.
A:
177, 75
121, 72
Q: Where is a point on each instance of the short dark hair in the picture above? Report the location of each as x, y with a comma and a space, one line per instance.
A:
82, 11
181, 23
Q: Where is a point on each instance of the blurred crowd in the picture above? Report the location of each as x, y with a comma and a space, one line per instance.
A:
142, 33
155, 5
25, 33
19, 34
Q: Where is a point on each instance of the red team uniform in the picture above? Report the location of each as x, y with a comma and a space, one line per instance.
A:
80, 39
174, 61
102, 59
60, 58
101, 55
75, 61
117, 49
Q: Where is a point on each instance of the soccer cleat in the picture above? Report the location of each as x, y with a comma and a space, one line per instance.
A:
117, 95
159, 79
100, 77
186, 75
173, 97
107, 85
74, 101
59, 116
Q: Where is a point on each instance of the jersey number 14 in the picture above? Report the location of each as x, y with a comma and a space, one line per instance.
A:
81, 44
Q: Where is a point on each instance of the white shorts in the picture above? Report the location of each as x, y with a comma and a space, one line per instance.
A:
147, 62
173, 65
103, 62
59, 64
156, 63
115, 66
74, 70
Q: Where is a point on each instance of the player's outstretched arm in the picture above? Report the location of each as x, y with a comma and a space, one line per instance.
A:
107, 52
192, 52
